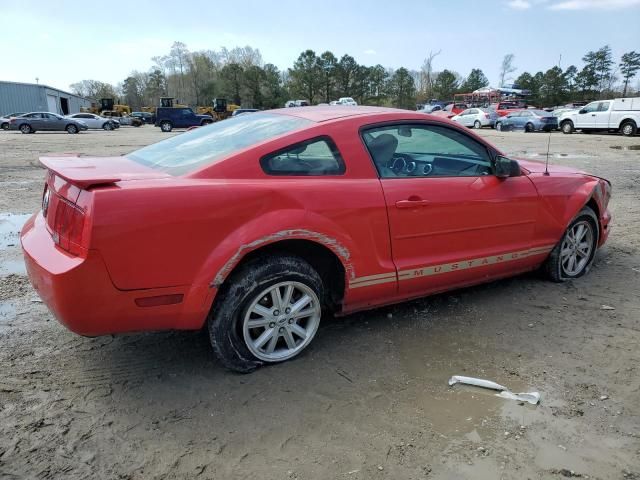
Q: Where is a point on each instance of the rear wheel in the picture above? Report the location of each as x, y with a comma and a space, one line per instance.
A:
529, 128
166, 126
573, 255
206, 122
477, 124
267, 312
499, 126
26, 128
72, 129
567, 127
628, 129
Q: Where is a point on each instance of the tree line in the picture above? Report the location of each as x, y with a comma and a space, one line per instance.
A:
241, 76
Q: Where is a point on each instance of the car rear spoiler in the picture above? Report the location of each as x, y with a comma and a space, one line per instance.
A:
87, 172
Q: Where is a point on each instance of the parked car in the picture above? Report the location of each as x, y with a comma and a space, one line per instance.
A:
450, 110
4, 120
241, 111
94, 121
296, 103
46, 121
477, 117
256, 225
347, 101
504, 108
620, 115
146, 117
169, 118
528, 120
431, 108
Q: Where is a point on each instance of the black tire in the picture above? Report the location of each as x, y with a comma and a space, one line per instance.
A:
107, 126
553, 266
477, 124
529, 128
72, 129
206, 122
498, 126
225, 320
26, 128
628, 128
566, 127
166, 126
5, 126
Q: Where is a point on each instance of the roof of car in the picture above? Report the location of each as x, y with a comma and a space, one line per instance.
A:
326, 113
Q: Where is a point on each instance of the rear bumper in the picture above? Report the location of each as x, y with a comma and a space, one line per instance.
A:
81, 295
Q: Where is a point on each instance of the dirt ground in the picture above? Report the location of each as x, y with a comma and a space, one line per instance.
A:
369, 399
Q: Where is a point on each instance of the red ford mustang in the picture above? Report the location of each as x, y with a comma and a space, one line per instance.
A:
256, 225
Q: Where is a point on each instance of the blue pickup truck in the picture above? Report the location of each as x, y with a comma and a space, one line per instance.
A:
169, 118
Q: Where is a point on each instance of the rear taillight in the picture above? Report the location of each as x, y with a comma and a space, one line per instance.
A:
65, 220
68, 226
486, 115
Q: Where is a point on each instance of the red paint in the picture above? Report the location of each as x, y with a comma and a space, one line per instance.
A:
148, 239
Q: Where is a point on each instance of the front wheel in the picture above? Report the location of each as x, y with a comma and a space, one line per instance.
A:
72, 129
573, 255
166, 126
267, 312
107, 126
5, 126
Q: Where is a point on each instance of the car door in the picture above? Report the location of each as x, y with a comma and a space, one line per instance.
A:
602, 115
35, 120
451, 220
471, 118
523, 118
48, 122
91, 120
586, 117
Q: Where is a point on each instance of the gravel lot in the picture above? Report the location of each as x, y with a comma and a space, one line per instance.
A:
370, 397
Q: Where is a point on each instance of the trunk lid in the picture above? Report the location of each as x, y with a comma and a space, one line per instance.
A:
87, 172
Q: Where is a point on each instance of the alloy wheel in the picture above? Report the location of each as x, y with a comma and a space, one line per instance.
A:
281, 321
576, 249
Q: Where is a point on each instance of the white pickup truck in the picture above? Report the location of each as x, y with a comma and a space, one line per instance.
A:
620, 115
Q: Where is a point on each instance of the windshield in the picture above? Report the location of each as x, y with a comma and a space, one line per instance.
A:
202, 146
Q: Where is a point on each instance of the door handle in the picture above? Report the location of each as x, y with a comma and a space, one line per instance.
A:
593, 114
412, 202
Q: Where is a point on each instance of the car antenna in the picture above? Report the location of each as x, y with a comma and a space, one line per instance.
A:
546, 164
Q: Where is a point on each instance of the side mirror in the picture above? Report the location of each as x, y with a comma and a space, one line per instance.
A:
583, 110
505, 167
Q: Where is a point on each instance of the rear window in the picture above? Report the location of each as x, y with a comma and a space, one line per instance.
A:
189, 151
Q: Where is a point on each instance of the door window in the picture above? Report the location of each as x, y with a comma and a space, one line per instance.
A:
592, 107
603, 106
411, 151
318, 156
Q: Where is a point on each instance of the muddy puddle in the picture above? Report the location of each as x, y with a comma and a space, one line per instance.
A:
556, 155
625, 147
10, 226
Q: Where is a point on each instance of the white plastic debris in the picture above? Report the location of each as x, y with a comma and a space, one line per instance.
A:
530, 397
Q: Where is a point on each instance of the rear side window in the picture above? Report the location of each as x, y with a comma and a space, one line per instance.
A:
315, 157
204, 146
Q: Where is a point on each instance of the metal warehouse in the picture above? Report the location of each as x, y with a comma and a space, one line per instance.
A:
31, 97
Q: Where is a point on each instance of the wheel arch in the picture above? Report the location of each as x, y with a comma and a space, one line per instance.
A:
323, 259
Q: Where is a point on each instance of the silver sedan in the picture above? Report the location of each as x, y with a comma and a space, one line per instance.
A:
94, 121
477, 117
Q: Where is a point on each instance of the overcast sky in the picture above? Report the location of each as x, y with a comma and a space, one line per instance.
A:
64, 42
